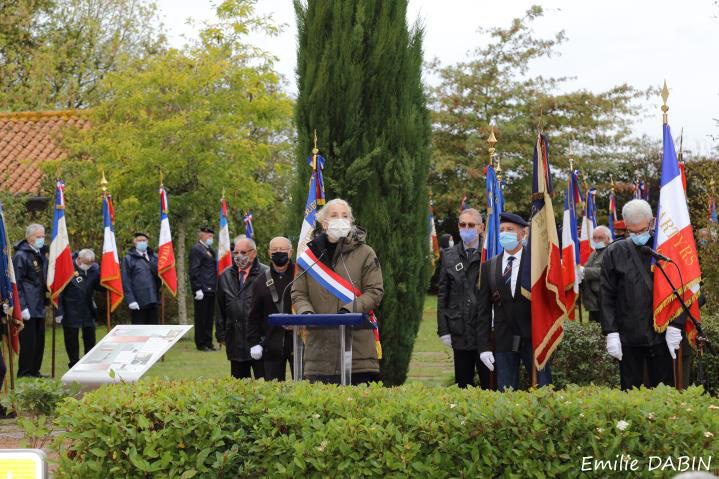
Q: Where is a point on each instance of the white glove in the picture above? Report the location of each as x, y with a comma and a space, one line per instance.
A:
256, 352
199, 295
26, 314
5, 308
58, 319
580, 273
134, 306
447, 340
487, 358
673, 338
614, 346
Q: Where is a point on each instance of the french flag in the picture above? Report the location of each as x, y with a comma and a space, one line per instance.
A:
542, 281
248, 224
570, 244
589, 222
110, 276
495, 206
8, 286
674, 238
612, 213
166, 253
224, 256
60, 269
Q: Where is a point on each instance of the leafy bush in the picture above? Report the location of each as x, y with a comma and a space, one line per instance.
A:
244, 429
582, 357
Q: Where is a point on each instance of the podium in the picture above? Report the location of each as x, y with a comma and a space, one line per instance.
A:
345, 322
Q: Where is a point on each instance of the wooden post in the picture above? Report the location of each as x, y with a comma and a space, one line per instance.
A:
109, 307
52, 373
534, 372
3, 358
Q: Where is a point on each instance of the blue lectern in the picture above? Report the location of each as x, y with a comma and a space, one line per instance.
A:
345, 322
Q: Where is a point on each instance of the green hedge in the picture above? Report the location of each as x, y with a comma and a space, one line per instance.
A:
243, 429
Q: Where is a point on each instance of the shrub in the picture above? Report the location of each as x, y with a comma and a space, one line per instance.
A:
244, 429
582, 357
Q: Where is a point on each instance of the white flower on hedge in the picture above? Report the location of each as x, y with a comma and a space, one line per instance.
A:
651, 416
600, 430
581, 414
322, 446
708, 434
622, 425
316, 416
712, 406
452, 406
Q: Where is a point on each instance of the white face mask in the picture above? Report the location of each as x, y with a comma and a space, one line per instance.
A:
338, 228
84, 267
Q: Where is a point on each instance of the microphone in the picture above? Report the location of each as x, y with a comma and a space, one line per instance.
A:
282, 298
655, 255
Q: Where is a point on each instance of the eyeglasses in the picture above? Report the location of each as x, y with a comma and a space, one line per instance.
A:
279, 250
467, 225
245, 252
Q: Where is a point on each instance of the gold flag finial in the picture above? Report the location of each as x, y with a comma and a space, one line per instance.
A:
665, 96
161, 178
103, 182
491, 141
611, 181
571, 164
314, 149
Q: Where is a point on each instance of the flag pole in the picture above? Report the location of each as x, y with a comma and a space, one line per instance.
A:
103, 185
3, 358
54, 323
492, 141
677, 363
10, 358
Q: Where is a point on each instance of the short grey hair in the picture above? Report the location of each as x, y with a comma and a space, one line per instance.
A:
86, 255
32, 229
471, 211
635, 211
322, 214
241, 237
604, 230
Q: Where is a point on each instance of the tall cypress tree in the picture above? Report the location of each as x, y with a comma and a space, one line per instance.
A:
359, 80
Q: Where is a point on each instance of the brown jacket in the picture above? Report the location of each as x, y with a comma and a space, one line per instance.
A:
354, 260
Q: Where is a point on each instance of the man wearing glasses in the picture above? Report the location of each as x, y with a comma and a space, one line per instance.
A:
234, 298
457, 300
627, 305
273, 343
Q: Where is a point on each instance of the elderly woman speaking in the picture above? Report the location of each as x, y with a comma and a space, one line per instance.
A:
341, 250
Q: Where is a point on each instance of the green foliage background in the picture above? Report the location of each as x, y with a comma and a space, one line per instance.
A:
359, 72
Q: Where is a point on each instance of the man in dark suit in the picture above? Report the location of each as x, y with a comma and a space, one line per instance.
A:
203, 280
275, 342
500, 293
234, 298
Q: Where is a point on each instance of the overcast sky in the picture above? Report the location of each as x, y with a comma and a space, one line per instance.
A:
640, 42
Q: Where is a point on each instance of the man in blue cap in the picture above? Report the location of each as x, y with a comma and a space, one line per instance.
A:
499, 292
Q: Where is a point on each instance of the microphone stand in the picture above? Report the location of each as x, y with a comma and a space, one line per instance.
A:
702, 340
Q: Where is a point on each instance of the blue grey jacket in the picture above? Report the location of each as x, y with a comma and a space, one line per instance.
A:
139, 278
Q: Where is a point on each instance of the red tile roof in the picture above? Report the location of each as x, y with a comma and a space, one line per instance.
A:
26, 140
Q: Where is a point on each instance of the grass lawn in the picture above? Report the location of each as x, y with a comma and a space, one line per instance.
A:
431, 361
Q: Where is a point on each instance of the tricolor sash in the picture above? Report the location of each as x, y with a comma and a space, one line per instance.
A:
337, 286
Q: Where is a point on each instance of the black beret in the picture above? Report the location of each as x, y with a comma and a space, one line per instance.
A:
512, 218
206, 229
138, 234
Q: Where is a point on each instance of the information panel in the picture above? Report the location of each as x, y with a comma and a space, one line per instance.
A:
125, 354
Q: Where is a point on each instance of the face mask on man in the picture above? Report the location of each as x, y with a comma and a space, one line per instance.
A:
451, 242
141, 246
468, 235
280, 258
338, 228
209, 242
39, 243
640, 239
242, 261
84, 266
598, 244
524, 241
508, 240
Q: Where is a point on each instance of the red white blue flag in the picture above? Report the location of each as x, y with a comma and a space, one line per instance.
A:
248, 224
674, 238
110, 276
224, 255
570, 243
495, 207
612, 213
542, 281
589, 222
165, 251
60, 268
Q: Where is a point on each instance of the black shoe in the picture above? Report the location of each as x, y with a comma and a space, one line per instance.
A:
41, 376
4, 414
211, 347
